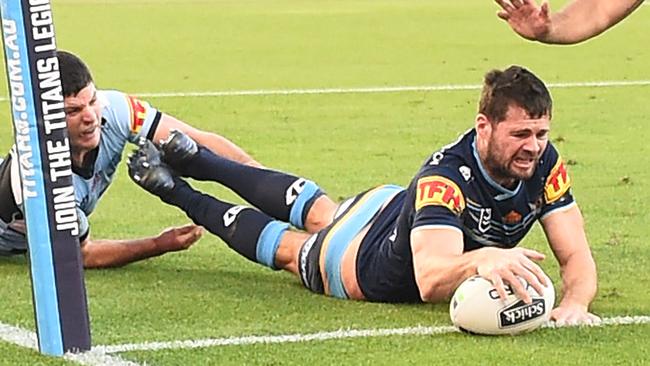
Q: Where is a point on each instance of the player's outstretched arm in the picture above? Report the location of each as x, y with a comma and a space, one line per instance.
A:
218, 144
578, 21
105, 253
440, 265
566, 236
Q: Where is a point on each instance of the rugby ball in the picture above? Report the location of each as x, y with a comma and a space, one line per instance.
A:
477, 308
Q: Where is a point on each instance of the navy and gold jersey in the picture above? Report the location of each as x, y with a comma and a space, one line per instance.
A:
453, 190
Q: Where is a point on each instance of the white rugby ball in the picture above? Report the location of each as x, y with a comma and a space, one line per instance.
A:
477, 308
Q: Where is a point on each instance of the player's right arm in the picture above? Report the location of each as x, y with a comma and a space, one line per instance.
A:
439, 261
134, 119
440, 265
217, 143
106, 253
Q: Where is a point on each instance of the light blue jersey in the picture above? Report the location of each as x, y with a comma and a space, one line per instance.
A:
124, 119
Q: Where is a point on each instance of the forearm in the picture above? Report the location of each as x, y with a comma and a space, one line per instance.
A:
579, 279
216, 143
584, 19
117, 253
439, 277
566, 235
224, 147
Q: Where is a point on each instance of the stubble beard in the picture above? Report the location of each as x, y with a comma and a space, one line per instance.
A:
501, 169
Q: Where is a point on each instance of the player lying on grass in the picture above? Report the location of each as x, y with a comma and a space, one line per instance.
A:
576, 22
463, 213
100, 123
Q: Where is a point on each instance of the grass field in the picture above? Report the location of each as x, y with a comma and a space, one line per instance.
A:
347, 142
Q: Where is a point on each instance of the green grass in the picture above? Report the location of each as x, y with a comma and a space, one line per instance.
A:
347, 143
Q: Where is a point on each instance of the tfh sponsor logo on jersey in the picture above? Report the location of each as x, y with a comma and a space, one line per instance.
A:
138, 113
558, 182
439, 191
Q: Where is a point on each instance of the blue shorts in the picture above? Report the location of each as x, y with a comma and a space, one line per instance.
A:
320, 257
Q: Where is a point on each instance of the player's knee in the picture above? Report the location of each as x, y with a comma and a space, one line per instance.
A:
287, 254
321, 214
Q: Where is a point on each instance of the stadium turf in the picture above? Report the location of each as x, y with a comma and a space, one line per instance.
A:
347, 142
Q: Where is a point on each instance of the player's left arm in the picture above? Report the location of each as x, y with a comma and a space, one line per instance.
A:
108, 253
218, 144
565, 232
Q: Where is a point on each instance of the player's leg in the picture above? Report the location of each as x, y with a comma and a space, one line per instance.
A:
283, 196
249, 232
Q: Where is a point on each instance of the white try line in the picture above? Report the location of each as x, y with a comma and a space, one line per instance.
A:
27, 339
374, 90
101, 355
321, 336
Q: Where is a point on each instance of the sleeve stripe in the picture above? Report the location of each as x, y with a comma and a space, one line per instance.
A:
84, 236
154, 126
558, 209
426, 227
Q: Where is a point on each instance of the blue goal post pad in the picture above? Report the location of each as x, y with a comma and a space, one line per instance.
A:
48, 198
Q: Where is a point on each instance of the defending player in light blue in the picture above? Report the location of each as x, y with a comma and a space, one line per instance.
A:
100, 125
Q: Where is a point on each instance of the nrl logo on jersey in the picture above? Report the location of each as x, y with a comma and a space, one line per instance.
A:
484, 220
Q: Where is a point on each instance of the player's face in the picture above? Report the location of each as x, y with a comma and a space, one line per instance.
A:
515, 145
83, 116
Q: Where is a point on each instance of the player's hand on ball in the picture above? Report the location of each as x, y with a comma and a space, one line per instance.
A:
476, 307
179, 238
572, 314
502, 266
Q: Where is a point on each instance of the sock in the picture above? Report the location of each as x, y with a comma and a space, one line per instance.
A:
280, 195
249, 232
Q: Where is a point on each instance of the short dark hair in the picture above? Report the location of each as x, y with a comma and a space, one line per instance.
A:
75, 75
514, 85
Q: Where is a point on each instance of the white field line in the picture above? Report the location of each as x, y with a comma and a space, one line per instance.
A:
380, 89
321, 336
287, 338
27, 339
100, 355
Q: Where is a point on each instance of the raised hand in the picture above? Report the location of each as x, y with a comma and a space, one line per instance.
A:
526, 18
